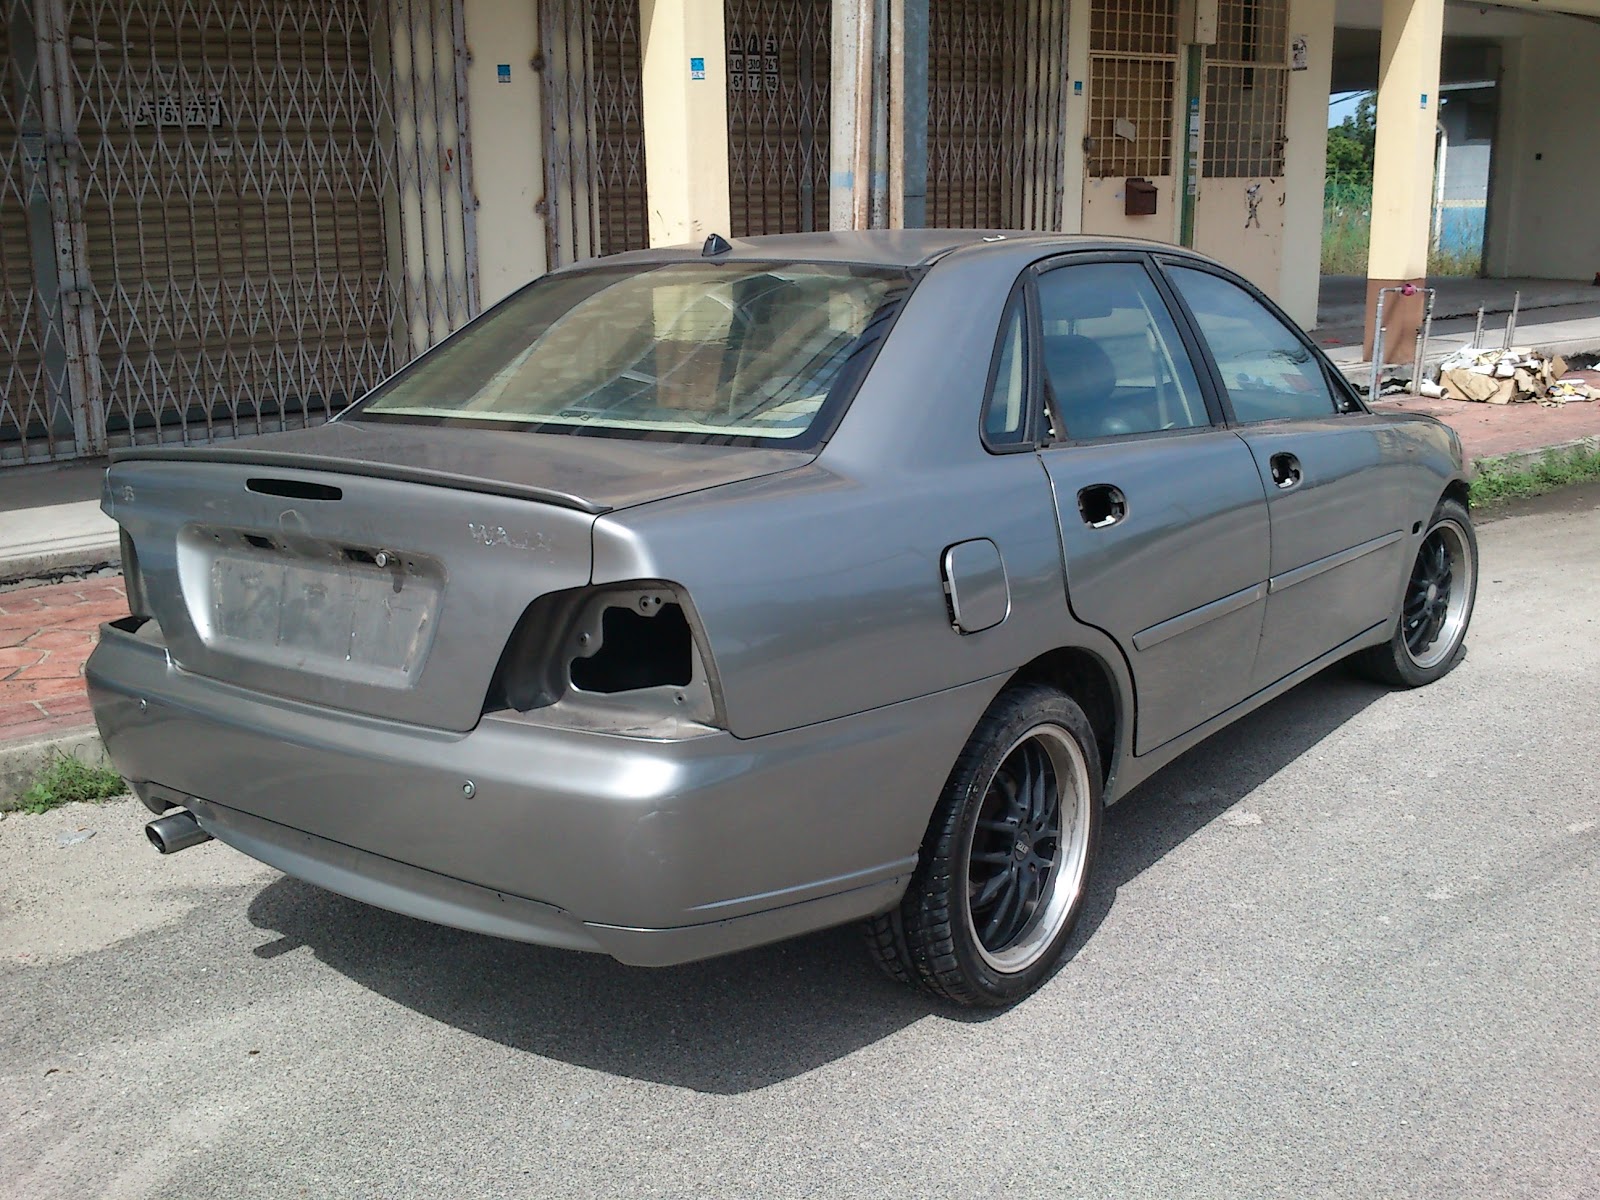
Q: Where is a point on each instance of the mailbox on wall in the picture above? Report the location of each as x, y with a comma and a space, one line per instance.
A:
1139, 198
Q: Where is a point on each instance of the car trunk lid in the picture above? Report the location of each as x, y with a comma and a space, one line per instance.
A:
380, 569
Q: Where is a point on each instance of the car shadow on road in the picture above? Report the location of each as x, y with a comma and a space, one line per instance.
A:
747, 1021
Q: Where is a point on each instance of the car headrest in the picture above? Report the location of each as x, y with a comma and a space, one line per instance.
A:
1079, 369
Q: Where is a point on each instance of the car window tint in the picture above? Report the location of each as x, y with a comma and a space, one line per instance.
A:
1268, 371
1112, 354
688, 351
1005, 415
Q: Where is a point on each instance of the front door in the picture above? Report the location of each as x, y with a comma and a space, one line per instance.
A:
1333, 476
1162, 514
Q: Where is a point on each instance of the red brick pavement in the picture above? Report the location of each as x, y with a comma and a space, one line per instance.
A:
1490, 429
46, 633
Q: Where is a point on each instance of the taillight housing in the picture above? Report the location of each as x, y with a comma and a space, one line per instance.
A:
627, 659
132, 577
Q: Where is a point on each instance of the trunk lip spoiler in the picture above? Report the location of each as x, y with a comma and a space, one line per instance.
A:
280, 460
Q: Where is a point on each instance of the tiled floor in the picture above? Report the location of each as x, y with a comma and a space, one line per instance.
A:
46, 633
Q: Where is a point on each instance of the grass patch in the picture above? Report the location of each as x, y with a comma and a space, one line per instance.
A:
1347, 234
1495, 484
69, 780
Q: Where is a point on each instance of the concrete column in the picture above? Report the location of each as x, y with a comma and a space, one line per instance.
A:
684, 95
868, 175
1077, 121
1402, 183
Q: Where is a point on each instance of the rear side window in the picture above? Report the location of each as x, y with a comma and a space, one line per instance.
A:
1269, 372
1005, 415
739, 351
1112, 354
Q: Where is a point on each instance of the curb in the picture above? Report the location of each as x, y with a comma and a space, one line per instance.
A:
21, 762
75, 559
1520, 460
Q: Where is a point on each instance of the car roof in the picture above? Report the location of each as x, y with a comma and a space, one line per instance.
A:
885, 247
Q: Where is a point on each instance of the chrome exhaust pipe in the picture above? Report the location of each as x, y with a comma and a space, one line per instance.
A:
175, 831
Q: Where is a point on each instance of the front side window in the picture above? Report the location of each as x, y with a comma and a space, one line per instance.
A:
1269, 372
1112, 355
681, 351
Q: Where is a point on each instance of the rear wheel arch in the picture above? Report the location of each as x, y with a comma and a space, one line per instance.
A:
1084, 676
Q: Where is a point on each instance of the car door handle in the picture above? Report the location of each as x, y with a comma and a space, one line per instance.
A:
1101, 505
1285, 471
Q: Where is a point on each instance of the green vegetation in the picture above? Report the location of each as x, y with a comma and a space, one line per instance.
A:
1351, 145
1346, 226
1347, 200
1496, 484
1347, 229
68, 780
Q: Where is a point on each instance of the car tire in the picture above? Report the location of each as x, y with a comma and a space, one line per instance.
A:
1430, 632
1006, 862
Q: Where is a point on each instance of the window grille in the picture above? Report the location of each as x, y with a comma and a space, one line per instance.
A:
1246, 90
1133, 71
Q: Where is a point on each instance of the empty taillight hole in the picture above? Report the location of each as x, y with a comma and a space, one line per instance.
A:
638, 652
351, 554
259, 542
294, 489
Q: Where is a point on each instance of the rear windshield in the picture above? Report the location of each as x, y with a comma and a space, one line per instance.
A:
703, 352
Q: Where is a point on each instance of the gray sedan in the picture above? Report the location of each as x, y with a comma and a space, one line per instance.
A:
696, 598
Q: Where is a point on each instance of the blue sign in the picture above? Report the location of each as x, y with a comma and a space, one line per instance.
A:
697, 68
502, 73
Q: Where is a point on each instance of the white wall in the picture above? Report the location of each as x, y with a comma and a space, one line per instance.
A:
1305, 161
1542, 221
507, 126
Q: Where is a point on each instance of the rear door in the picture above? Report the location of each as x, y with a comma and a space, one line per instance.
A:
1162, 514
1331, 472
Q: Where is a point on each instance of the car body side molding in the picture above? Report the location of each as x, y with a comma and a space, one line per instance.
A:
1196, 617
1312, 569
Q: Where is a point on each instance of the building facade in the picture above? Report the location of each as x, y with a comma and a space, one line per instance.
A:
227, 217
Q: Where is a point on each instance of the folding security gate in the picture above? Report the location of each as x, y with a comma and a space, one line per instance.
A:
223, 218
778, 88
594, 129
996, 112
779, 54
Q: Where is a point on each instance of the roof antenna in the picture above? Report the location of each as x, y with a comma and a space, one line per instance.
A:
715, 244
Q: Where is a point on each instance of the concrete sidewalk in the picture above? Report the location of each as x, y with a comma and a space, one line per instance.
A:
1566, 329
50, 520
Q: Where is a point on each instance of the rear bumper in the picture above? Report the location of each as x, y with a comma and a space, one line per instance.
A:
653, 852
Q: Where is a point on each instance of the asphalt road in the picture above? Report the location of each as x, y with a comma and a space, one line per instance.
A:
1351, 947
